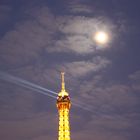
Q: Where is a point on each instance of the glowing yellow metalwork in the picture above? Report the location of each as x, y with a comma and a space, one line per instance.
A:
63, 91
63, 105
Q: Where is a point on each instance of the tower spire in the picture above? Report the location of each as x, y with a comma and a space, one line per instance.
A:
62, 81
63, 91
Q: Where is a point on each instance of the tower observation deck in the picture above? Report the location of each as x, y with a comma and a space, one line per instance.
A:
63, 104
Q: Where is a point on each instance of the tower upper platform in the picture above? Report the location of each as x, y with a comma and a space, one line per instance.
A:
63, 99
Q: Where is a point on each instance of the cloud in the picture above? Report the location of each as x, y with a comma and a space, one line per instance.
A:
113, 110
135, 80
26, 40
29, 49
135, 76
81, 68
40, 124
42, 32
103, 98
78, 34
76, 7
103, 127
5, 11
112, 127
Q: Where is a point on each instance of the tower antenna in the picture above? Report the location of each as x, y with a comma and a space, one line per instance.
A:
62, 81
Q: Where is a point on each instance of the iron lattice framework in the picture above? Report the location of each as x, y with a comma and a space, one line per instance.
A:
63, 105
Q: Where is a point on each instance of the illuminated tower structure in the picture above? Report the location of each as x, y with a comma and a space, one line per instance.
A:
63, 105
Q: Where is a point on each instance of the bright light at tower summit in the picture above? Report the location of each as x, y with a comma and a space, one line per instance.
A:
101, 37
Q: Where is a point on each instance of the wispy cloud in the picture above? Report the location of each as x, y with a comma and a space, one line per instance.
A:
5, 11
76, 7
135, 80
43, 33
78, 34
81, 68
26, 128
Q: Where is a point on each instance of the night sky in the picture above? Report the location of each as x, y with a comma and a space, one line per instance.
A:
41, 38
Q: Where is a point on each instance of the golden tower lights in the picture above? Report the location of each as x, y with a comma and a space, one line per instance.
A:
63, 105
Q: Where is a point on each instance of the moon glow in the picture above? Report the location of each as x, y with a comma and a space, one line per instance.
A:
101, 37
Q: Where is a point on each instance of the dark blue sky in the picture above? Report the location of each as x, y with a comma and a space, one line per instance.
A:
39, 38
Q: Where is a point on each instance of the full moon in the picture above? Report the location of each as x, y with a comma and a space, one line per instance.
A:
101, 37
